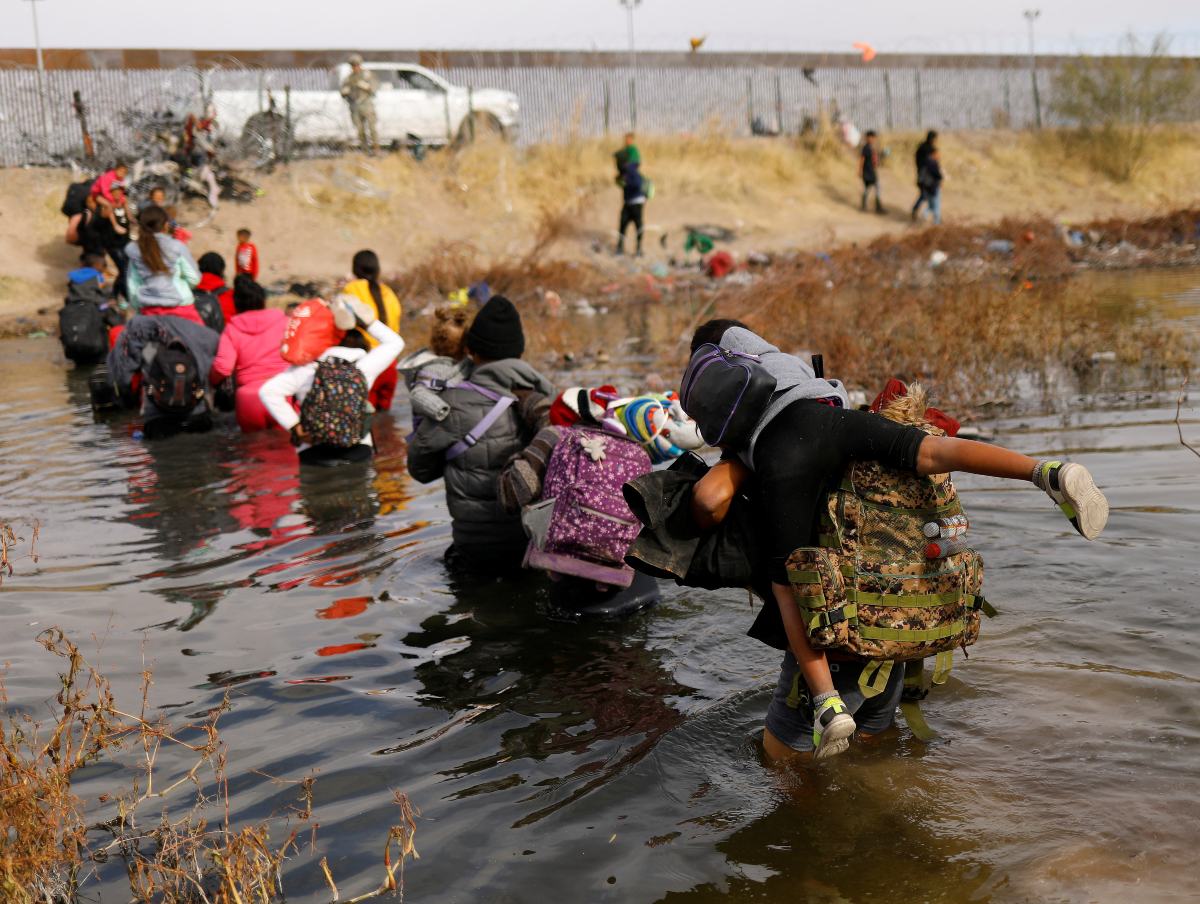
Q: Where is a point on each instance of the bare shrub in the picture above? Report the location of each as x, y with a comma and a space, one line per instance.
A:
1120, 104
49, 852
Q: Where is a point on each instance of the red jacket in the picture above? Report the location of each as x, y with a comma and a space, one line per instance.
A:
216, 286
245, 259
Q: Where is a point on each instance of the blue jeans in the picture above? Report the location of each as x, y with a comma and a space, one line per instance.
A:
935, 205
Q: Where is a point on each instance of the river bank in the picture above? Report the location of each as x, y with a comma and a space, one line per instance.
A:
492, 208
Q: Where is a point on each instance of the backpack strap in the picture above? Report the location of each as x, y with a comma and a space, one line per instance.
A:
475, 434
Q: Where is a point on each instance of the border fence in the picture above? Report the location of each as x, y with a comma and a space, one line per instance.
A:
563, 95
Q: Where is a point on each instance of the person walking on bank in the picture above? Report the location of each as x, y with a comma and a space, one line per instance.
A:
633, 205
359, 91
924, 149
868, 171
931, 185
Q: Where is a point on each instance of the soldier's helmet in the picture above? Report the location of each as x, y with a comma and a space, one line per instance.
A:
354, 59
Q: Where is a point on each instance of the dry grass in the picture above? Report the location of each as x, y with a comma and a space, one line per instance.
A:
11, 541
177, 853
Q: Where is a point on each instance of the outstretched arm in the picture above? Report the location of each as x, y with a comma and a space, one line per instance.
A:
713, 493
942, 454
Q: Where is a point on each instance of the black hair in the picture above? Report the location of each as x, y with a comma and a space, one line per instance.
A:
212, 263
354, 339
366, 266
247, 294
243, 231
930, 135
92, 259
710, 333
871, 133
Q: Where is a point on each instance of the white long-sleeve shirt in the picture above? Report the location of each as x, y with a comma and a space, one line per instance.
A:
297, 380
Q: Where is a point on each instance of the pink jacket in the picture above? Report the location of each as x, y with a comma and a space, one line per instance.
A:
249, 348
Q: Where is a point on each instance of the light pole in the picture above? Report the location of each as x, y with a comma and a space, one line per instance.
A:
41, 76
1030, 16
630, 6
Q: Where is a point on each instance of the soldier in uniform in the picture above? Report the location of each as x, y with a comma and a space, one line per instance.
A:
359, 91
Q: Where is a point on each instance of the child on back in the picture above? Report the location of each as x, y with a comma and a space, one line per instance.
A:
245, 258
88, 279
428, 371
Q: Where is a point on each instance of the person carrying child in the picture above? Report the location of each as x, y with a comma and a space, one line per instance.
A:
428, 371
791, 445
249, 352
368, 289
475, 439
329, 385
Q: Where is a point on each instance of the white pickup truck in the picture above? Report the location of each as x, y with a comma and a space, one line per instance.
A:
413, 105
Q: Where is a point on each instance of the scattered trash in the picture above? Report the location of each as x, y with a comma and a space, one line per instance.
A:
662, 271
584, 308
740, 278
1098, 357
719, 265
858, 398
1027, 236
937, 258
1000, 246
758, 259
553, 301
138, 435
1075, 238
37, 334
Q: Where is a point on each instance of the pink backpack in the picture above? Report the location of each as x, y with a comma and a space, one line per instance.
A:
582, 526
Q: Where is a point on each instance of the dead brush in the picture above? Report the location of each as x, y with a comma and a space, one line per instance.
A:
50, 853
10, 540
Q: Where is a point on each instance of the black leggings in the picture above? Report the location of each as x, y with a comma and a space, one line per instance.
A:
631, 213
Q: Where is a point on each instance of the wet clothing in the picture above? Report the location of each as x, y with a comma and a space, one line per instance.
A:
249, 352
480, 524
163, 290
294, 383
790, 714
85, 274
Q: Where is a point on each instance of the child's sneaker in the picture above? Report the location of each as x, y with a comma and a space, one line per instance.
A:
832, 726
1072, 488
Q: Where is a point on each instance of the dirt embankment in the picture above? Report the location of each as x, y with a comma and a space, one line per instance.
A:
493, 204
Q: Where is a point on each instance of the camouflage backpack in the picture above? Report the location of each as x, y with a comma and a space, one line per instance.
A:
868, 590
335, 411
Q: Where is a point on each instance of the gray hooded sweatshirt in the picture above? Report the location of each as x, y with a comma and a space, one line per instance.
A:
794, 380
472, 479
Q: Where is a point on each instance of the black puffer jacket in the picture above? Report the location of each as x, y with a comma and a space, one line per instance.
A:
472, 478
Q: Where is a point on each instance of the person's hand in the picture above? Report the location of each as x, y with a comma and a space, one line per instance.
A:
299, 435
363, 312
343, 315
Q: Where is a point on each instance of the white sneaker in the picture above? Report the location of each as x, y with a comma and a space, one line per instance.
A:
832, 728
1071, 486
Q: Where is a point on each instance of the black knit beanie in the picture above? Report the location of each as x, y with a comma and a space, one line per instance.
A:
496, 331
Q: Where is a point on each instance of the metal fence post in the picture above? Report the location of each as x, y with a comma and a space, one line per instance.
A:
750, 102
779, 102
887, 95
607, 107
446, 108
920, 112
1007, 104
260, 90
471, 111
287, 123
632, 103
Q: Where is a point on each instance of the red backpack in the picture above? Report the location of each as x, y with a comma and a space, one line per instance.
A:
309, 332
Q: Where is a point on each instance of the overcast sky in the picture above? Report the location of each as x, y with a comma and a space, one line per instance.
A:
900, 25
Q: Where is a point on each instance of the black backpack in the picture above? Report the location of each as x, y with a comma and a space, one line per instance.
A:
76, 198
82, 331
172, 379
209, 309
725, 393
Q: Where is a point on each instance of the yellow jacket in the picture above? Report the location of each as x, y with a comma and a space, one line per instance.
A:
390, 315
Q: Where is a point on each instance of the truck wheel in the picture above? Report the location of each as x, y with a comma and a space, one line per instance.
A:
265, 139
479, 126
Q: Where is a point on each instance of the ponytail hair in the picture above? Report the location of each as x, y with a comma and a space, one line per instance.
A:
151, 221
366, 266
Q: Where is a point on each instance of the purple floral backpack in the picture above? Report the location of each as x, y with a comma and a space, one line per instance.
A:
582, 526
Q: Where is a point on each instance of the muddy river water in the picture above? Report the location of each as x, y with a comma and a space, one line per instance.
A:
559, 761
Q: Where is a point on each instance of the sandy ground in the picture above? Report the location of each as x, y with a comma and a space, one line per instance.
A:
775, 194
